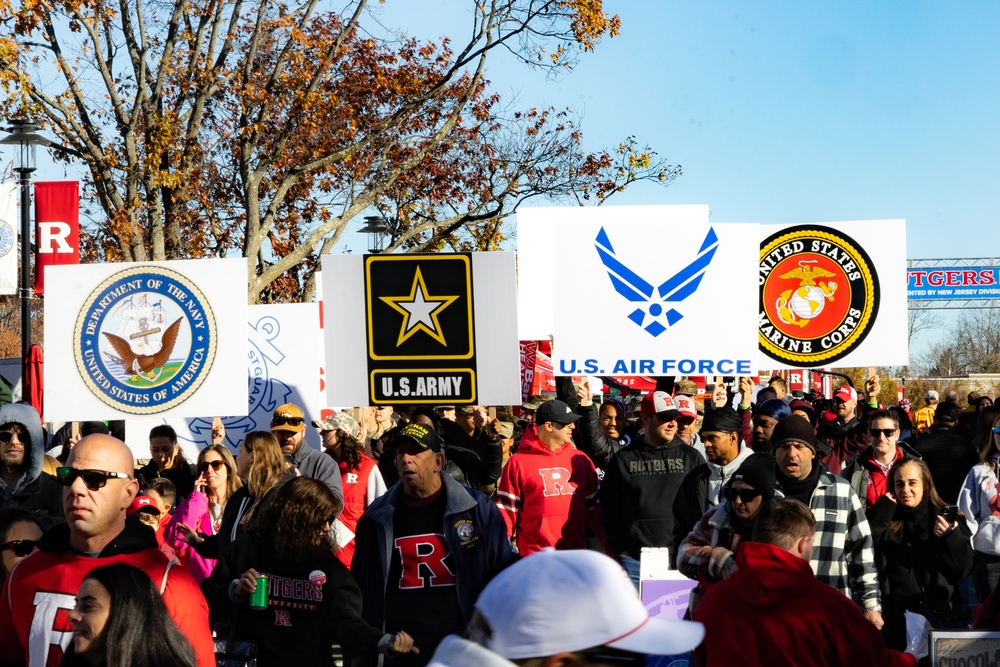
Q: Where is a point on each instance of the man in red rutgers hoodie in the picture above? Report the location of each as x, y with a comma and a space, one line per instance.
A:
548, 491
41, 590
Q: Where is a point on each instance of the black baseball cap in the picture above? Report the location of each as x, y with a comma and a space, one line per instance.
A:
422, 436
555, 411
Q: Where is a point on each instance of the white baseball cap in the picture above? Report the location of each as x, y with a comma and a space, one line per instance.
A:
553, 601
686, 405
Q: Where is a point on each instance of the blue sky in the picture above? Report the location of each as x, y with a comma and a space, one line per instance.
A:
785, 111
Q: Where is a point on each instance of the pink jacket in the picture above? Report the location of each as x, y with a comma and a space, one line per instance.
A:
194, 512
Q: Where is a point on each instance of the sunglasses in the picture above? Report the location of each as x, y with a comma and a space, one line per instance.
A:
291, 421
21, 548
887, 432
93, 479
7, 436
215, 465
745, 495
996, 429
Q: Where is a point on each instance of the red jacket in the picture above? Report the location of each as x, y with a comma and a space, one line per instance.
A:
773, 611
547, 496
356, 500
41, 590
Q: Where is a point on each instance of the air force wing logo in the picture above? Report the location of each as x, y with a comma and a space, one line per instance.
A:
145, 340
657, 311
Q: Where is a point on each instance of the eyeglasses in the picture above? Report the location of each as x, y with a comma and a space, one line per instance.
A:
291, 421
7, 436
887, 432
93, 479
215, 465
996, 429
610, 656
21, 548
745, 495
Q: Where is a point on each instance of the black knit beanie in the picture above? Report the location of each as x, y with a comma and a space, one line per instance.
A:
757, 471
794, 428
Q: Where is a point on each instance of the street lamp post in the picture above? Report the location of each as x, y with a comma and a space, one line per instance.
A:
377, 227
22, 133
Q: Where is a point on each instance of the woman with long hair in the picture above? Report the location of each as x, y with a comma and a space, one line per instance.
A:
202, 511
313, 593
983, 436
20, 530
120, 621
980, 503
921, 552
261, 464
359, 474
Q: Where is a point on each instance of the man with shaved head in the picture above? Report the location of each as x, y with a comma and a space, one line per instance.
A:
40, 591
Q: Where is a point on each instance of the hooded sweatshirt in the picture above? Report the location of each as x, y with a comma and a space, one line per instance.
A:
638, 492
774, 593
35, 490
41, 589
547, 496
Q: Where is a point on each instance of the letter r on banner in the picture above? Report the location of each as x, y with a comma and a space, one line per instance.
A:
57, 226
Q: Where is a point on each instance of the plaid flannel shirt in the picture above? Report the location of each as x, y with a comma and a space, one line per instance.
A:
843, 554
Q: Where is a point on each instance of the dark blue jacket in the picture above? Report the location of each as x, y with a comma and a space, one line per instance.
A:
479, 556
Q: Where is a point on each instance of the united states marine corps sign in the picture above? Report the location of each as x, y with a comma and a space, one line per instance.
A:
145, 340
819, 295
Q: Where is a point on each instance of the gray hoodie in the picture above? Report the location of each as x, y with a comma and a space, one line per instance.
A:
26, 416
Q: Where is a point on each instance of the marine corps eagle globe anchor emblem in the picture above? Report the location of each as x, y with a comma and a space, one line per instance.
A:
798, 306
657, 301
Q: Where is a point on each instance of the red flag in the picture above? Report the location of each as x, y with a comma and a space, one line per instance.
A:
35, 380
57, 226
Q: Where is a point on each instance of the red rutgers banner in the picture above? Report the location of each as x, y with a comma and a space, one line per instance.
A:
57, 226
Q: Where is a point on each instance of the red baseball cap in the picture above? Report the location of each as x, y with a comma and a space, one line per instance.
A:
143, 504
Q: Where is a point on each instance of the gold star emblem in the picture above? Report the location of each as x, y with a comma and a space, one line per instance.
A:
419, 310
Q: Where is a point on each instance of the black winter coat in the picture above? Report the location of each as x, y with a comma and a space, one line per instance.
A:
302, 620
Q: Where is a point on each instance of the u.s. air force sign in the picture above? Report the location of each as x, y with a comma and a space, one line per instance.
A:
145, 340
819, 295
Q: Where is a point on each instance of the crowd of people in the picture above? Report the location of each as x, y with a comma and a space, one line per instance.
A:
461, 535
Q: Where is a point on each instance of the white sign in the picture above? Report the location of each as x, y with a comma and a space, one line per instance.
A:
420, 329
833, 294
537, 244
282, 367
8, 238
160, 338
663, 298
